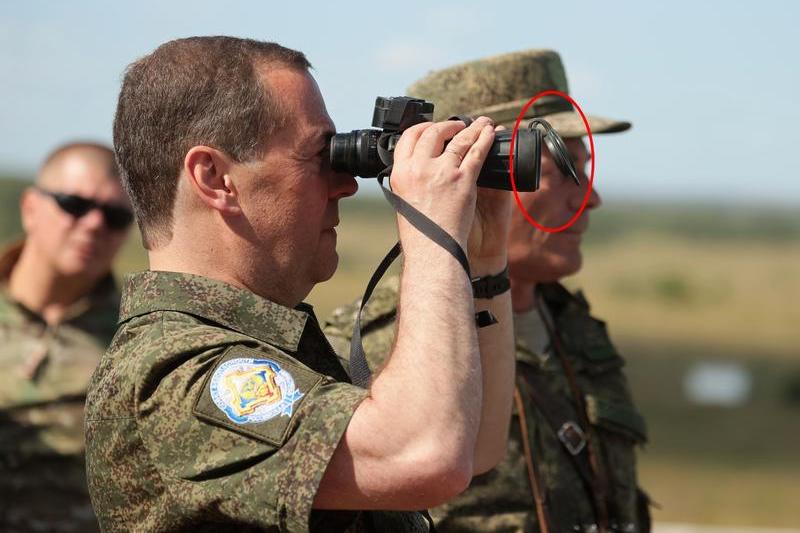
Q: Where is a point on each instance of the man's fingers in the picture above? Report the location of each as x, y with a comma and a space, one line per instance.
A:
428, 139
432, 141
409, 139
476, 155
464, 140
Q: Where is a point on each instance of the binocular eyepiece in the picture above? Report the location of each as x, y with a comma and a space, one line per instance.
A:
368, 152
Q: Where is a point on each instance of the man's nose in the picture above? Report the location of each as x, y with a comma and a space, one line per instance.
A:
594, 200
576, 198
92, 220
342, 185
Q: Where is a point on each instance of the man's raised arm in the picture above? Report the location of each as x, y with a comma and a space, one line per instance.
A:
417, 440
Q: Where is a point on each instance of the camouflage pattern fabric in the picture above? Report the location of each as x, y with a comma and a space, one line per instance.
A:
501, 85
501, 500
217, 410
46, 370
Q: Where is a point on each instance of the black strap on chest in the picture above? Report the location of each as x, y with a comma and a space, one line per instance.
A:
360, 373
560, 415
570, 432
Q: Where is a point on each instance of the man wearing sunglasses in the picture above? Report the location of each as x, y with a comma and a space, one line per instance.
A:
58, 310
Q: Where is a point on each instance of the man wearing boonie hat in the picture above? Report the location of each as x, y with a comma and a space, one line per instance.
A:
570, 464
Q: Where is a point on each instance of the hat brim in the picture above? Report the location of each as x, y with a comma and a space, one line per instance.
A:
570, 125
567, 123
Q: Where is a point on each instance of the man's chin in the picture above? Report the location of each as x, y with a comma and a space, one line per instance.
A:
570, 265
559, 267
83, 269
328, 268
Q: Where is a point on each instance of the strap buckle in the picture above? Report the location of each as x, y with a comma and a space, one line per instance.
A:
572, 437
485, 318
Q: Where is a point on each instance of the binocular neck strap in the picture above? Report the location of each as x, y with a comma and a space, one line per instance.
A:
360, 373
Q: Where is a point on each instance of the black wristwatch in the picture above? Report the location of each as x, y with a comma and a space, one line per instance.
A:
491, 286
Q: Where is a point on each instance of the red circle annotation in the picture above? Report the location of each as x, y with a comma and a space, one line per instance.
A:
585, 201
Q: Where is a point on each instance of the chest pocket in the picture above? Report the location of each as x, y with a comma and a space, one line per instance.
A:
616, 416
587, 338
599, 366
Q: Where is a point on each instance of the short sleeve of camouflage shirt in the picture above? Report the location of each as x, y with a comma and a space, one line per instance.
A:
191, 424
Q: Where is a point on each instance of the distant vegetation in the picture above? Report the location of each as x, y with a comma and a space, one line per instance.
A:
677, 285
619, 220
695, 222
10, 190
614, 221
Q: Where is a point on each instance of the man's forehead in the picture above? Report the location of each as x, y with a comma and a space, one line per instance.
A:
89, 177
78, 166
301, 99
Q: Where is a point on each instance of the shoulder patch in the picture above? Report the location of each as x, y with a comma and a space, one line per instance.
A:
250, 390
255, 393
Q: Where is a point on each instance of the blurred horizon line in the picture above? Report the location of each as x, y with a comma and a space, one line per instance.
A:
368, 190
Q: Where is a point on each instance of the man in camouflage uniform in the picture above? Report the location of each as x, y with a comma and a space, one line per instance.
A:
219, 405
58, 310
570, 463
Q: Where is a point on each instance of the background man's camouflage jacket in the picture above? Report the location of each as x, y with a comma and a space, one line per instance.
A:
45, 373
217, 410
502, 499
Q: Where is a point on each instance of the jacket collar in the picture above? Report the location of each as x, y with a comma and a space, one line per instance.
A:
215, 301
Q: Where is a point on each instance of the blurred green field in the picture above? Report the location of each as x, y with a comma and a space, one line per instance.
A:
677, 285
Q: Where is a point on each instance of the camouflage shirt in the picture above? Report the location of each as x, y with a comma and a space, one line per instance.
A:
217, 410
46, 370
502, 499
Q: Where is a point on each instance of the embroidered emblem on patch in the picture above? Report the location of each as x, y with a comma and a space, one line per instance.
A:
250, 391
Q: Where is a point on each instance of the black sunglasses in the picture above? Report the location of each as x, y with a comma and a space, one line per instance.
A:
115, 217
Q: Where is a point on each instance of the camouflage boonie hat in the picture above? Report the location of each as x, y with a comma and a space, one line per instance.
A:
500, 86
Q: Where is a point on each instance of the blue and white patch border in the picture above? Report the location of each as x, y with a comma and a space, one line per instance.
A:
222, 396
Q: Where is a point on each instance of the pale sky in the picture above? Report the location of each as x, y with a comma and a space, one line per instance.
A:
710, 87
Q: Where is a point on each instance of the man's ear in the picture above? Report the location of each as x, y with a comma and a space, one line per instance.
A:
208, 171
27, 209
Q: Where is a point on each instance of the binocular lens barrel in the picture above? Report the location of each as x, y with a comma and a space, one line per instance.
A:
357, 153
